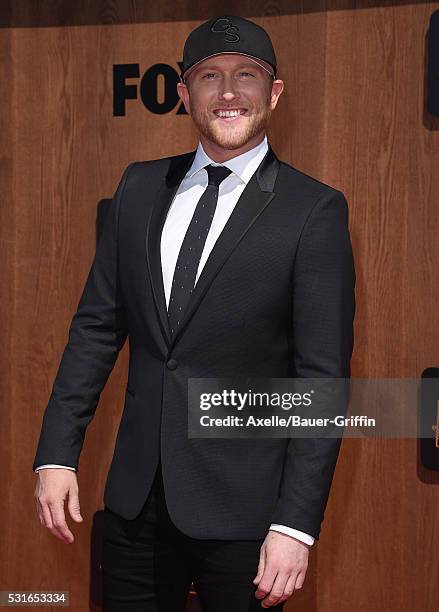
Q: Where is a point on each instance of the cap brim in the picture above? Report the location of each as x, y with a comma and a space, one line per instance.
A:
254, 59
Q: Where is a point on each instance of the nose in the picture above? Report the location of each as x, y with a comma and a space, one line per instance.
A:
228, 89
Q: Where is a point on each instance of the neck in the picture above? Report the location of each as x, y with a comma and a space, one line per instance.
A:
219, 154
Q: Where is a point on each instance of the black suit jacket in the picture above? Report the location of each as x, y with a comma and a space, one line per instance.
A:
275, 299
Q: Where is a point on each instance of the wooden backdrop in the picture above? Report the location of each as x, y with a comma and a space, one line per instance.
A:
352, 115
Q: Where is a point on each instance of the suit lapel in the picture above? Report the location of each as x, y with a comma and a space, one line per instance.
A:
256, 196
177, 169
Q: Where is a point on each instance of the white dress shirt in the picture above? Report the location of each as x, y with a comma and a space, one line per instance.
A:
177, 222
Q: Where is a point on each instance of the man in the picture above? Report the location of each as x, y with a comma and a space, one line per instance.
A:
218, 261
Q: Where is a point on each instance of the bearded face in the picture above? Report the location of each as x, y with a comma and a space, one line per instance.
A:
230, 99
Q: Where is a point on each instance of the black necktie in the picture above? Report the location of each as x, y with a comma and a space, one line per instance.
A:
191, 249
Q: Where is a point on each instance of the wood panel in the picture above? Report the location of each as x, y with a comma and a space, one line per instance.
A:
352, 115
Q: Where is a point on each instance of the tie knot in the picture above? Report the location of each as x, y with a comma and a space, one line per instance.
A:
217, 174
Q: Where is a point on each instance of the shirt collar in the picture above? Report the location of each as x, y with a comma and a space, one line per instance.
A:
243, 165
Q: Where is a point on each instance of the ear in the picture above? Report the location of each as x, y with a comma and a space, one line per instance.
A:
183, 94
277, 88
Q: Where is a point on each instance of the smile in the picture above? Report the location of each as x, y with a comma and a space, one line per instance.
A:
230, 114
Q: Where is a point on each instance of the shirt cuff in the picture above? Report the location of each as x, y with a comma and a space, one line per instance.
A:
53, 465
295, 533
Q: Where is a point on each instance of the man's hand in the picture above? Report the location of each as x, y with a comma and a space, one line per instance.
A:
53, 487
282, 567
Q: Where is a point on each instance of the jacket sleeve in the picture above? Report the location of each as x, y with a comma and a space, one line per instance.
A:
323, 309
97, 333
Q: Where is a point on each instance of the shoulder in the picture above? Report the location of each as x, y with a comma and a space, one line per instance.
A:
307, 196
305, 185
160, 165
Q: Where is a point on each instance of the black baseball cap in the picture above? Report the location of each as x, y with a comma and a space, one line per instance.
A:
228, 34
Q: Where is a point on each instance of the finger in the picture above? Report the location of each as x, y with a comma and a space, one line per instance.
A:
300, 580
261, 566
39, 510
266, 582
59, 521
73, 506
276, 592
47, 517
48, 522
289, 587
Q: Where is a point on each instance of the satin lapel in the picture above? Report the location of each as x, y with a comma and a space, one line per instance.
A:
256, 196
178, 167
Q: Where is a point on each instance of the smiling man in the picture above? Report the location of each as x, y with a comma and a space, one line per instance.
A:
249, 269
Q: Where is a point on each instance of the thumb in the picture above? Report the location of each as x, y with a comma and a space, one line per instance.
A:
74, 508
261, 567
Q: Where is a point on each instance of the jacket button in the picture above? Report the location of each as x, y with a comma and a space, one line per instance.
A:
171, 364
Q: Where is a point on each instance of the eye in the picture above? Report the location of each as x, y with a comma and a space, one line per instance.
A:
246, 73
209, 74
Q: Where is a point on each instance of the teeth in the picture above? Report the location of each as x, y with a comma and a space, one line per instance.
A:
233, 113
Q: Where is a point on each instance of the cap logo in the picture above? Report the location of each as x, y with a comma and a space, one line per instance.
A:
225, 25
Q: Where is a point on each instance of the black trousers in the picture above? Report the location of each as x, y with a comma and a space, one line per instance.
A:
148, 565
